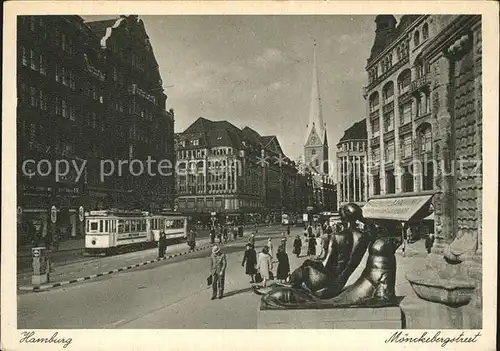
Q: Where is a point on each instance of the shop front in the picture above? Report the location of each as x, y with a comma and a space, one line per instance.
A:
412, 213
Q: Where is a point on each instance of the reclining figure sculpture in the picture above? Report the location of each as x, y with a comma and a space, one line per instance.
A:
320, 283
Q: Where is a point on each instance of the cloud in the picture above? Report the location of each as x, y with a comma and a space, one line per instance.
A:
268, 57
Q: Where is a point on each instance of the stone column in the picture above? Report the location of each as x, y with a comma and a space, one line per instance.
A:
348, 176
397, 149
359, 179
382, 146
354, 172
444, 153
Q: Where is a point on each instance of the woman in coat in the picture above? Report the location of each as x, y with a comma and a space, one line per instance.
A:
297, 246
264, 265
311, 251
283, 265
250, 258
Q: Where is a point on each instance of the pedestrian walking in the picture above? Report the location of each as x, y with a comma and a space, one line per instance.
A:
162, 244
288, 230
212, 235
297, 246
309, 230
429, 242
270, 246
311, 250
235, 232
264, 265
251, 240
224, 233
218, 265
250, 258
283, 265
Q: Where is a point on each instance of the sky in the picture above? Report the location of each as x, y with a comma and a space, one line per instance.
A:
256, 71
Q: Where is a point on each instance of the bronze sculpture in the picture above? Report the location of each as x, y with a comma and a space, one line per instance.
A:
320, 283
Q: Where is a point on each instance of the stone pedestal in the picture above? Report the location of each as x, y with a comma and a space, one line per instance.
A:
334, 318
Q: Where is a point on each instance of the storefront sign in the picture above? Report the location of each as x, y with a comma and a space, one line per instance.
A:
81, 214
305, 217
399, 209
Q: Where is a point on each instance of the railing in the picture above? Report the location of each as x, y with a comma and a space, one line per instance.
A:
405, 97
387, 73
420, 82
135, 90
374, 114
388, 107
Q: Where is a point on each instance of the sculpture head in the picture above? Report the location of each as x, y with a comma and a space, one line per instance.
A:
351, 213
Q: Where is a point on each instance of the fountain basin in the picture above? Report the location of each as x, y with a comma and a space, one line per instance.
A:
452, 292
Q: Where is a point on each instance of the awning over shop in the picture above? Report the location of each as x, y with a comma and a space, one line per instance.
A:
429, 217
401, 209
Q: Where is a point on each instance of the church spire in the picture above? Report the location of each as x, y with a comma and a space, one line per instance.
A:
315, 123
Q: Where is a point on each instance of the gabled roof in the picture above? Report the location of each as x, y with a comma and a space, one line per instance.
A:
99, 27
356, 131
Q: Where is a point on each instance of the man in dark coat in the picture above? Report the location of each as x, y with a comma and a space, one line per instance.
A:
162, 244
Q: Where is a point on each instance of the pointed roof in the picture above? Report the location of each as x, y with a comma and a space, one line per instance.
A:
315, 113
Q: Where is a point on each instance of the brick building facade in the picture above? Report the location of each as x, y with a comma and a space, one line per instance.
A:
87, 91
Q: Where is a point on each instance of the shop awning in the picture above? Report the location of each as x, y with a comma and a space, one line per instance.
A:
429, 217
401, 209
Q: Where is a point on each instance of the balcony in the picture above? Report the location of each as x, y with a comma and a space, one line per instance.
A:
374, 114
95, 72
405, 128
135, 90
419, 83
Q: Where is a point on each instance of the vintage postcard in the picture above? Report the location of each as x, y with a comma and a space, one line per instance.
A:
249, 175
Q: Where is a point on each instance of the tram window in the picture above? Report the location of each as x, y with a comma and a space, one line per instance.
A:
127, 226
143, 224
100, 226
106, 228
93, 226
120, 226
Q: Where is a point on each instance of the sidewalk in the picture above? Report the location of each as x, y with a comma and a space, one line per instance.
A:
67, 245
76, 272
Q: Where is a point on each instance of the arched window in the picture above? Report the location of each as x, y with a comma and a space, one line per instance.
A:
416, 39
425, 139
388, 91
425, 31
374, 101
404, 81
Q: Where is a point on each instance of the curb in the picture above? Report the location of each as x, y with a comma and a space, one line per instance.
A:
89, 277
121, 269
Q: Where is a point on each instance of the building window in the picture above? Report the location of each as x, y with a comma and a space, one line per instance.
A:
425, 31
373, 102
43, 65
416, 39
428, 176
64, 108
34, 97
376, 154
376, 184
404, 81
32, 23
407, 179
389, 151
195, 142
406, 146
316, 162
405, 113
313, 152
43, 101
388, 121
390, 182
24, 55
375, 125
426, 140
33, 60
388, 92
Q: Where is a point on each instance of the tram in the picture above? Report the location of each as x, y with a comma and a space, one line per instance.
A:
108, 230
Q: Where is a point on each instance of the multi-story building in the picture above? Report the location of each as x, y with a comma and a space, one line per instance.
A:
79, 85
232, 172
352, 178
424, 107
316, 150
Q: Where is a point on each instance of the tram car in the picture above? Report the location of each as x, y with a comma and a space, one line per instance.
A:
106, 231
